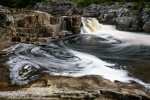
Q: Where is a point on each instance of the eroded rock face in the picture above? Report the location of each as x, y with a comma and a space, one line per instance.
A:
32, 26
4, 9
63, 8
125, 23
92, 10
146, 26
125, 16
80, 88
6, 20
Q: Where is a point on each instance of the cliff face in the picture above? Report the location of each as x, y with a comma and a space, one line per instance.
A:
126, 16
33, 26
25, 25
6, 20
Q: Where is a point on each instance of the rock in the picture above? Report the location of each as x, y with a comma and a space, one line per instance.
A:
41, 83
6, 20
23, 39
72, 23
92, 10
108, 13
146, 26
34, 25
42, 17
34, 20
137, 25
110, 18
119, 96
4, 76
55, 20
4, 10
63, 8
4, 53
125, 23
68, 23
49, 30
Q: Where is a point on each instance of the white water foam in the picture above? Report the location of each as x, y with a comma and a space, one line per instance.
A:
92, 26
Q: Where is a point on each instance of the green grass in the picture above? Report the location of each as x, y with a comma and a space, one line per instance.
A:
81, 3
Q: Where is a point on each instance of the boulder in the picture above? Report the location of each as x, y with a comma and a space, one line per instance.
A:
146, 26
125, 23
137, 25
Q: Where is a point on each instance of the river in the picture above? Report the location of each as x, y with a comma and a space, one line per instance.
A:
98, 50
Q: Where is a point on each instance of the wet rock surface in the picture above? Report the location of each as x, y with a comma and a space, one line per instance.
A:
80, 88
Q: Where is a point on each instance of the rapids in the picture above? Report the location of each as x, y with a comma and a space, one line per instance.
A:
98, 50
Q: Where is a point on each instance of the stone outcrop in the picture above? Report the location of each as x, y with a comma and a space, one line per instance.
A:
59, 8
6, 20
79, 88
92, 10
126, 16
33, 26
37, 26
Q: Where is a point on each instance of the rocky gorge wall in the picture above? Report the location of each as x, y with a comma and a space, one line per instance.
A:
126, 16
31, 26
49, 20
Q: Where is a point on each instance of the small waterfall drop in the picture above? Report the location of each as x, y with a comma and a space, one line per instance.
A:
63, 24
92, 26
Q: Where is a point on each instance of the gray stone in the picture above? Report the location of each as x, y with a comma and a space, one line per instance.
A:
66, 8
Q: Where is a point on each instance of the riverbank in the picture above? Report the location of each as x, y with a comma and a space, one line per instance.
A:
82, 88
34, 27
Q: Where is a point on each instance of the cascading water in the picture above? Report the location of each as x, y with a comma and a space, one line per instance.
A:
63, 24
98, 50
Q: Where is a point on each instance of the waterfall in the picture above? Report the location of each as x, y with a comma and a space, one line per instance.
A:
63, 24
92, 26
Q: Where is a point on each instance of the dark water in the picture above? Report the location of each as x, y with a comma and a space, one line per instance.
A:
133, 58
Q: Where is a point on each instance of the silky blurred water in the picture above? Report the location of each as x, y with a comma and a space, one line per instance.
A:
98, 50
